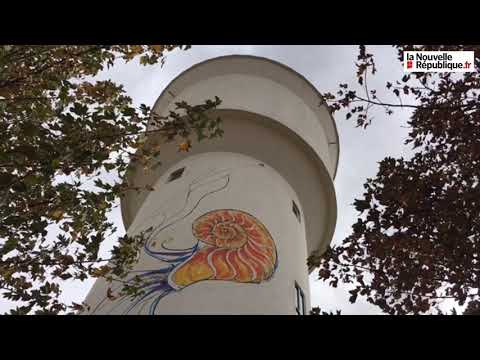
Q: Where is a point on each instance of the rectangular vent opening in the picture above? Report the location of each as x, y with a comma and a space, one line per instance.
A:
176, 175
299, 300
296, 211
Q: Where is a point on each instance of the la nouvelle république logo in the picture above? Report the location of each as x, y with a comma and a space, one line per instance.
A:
439, 61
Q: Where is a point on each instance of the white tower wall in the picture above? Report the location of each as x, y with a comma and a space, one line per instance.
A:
280, 148
212, 182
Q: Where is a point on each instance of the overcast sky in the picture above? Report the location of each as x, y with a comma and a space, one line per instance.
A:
360, 150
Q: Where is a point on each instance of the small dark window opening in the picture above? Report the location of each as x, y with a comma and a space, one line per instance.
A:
261, 164
296, 211
299, 300
176, 175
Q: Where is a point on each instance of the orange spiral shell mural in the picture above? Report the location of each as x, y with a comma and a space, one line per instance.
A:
238, 248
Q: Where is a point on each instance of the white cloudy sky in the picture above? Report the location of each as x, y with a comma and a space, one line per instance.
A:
360, 150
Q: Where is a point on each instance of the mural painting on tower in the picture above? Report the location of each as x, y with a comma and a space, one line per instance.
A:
238, 248
231, 245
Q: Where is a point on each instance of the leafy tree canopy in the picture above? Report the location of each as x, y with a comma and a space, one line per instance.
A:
417, 239
60, 133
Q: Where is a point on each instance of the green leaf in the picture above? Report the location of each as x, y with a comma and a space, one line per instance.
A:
129, 111
31, 180
109, 166
55, 163
79, 109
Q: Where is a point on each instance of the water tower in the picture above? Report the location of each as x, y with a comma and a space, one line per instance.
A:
234, 220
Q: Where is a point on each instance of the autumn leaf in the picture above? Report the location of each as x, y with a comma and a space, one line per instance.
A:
57, 214
110, 295
184, 146
100, 272
158, 48
77, 307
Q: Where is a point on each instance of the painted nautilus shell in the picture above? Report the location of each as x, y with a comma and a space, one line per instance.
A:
237, 247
